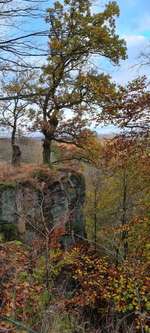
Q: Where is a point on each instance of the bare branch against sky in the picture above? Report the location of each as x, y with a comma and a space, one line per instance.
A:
23, 33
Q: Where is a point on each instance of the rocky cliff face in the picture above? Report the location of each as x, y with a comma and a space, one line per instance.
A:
44, 203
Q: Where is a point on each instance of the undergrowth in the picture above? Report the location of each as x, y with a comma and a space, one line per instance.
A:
84, 292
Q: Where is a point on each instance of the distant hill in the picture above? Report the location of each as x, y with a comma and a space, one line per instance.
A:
31, 150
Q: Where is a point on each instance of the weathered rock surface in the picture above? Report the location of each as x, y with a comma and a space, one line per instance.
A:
44, 202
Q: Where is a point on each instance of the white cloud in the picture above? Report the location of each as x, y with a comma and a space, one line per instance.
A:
134, 40
129, 69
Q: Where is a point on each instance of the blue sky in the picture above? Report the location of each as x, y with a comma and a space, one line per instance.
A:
134, 25
135, 17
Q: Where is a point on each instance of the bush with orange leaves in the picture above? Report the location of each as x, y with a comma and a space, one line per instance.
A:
105, 288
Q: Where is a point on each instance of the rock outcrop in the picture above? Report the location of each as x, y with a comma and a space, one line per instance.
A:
44, 203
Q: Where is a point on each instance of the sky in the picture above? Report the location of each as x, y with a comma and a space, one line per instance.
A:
133, 25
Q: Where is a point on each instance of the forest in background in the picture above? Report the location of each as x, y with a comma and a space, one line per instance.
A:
48, 86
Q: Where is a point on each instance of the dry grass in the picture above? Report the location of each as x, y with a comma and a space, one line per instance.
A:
25, 171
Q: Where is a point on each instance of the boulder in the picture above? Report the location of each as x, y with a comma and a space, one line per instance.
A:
44, 204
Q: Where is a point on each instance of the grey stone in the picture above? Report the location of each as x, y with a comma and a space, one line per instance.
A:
45, 204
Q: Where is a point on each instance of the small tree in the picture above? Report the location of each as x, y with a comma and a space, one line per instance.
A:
68, 84
15, 114
124, 157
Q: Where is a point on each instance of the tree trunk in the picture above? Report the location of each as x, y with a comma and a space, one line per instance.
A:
16, 156
47, 150
49, 129
16, 152
95, 219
